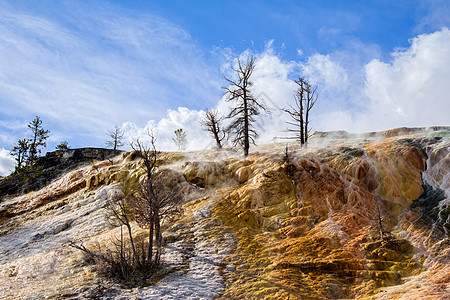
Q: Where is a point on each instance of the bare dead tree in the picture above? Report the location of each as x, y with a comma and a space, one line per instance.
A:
116, 138
125, 258
311, 98
296, 113
155, 199
212, 124
152, 204
305, 97
246, 105
120, 213
144, 199
122, 261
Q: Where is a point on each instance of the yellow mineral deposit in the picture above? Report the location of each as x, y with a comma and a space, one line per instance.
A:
363, 219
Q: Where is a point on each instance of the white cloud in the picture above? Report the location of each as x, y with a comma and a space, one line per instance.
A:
7, 162
85, 67
184, 118
412, 89
338, 88
271, 86
322, 70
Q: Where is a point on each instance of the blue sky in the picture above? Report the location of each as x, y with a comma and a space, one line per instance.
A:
86, 66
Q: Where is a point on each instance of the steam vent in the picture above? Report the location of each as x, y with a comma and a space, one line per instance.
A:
348, 217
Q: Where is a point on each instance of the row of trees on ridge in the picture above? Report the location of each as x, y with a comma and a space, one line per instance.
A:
242, 114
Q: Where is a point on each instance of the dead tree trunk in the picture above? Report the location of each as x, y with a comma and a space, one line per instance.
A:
211, 123
150, 241
116, 138
158, 238
305, 98
154, 199
246, 107
311, 98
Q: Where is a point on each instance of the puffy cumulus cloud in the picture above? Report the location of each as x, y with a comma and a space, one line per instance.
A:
189, 121
412, 89
7, 162
273, 89
184, 118
323, 70
358, 95
338, 87
271, 86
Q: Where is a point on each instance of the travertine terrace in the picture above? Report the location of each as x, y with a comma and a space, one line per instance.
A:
305, 224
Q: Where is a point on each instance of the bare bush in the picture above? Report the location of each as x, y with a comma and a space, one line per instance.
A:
154, 200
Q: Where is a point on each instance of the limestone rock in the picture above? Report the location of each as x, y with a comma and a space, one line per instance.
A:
364, 218
205, 174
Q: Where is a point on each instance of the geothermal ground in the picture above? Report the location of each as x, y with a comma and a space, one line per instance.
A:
306, 224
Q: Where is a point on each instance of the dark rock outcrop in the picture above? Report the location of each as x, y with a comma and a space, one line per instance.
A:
50, 167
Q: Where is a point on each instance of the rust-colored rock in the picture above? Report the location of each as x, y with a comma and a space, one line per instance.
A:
362, 219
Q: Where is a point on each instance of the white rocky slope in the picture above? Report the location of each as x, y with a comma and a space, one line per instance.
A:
283, 236
36, 261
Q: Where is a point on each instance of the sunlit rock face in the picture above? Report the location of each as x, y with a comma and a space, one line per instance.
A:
348, 217
311, 223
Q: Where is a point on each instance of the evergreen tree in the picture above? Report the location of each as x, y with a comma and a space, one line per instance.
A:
26, 150
20, 151
180, 139
62, 146
38, 140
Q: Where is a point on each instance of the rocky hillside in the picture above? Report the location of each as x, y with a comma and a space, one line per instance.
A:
350, 217
51, 166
